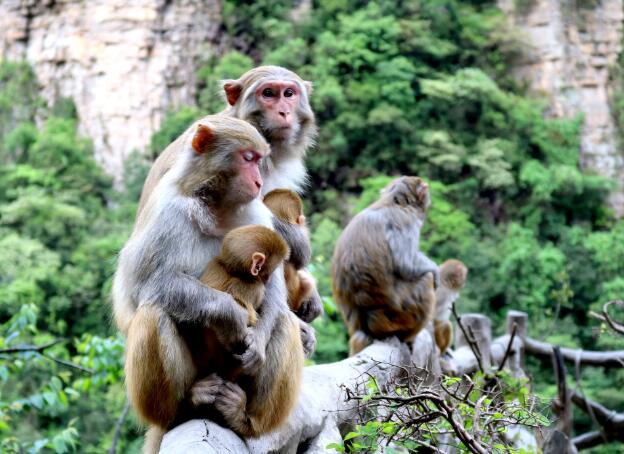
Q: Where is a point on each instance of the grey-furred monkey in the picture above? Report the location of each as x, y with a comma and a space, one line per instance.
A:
212, 187
383, 284
453, 275
276, 102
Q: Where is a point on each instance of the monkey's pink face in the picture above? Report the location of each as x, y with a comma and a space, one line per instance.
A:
250, 180
279, 100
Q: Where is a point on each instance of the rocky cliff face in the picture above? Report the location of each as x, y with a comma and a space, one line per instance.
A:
123, 63
572, 45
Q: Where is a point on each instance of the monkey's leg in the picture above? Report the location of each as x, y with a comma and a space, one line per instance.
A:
159, 367
275, 388
358, 341
443, 331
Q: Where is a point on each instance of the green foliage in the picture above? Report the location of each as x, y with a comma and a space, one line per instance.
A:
230, 66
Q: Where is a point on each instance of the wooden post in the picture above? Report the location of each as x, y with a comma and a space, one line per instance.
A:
479, 330
520, 320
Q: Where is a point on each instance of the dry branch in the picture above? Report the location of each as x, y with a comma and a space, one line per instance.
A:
588, 358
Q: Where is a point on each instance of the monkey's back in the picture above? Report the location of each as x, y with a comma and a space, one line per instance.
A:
362, 263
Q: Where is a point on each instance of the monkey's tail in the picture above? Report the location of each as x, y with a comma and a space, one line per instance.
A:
153, 439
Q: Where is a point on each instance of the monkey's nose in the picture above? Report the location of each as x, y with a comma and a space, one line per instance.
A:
284, 113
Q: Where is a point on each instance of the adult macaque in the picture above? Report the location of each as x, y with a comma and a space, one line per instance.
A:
453, 275
275, 101
383, 284
211, 188
287, 206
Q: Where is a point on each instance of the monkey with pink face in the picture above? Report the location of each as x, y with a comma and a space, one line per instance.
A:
276, 102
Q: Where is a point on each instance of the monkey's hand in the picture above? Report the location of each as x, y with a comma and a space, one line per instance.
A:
233, 331
308, 338
253, 356
312, 307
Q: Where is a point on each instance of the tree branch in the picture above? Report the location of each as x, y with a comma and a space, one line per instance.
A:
589, 358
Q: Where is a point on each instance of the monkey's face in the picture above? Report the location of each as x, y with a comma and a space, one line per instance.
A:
408, 192
275, 101
225, 163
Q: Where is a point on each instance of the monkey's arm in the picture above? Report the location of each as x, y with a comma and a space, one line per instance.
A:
297, 239
404, 245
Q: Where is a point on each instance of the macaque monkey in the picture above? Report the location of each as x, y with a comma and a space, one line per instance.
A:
212, 187
248, 257
276, 102
382, 283
453, 275
287, 206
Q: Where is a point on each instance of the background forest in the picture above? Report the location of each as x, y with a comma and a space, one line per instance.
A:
420, 88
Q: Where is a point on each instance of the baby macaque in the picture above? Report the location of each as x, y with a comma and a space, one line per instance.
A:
249, 255
452, 279
287, 206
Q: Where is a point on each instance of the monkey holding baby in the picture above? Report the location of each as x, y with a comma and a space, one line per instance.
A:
204, 185
211, 189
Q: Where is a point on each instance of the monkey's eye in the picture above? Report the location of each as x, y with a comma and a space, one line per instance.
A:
249, 156
267, 93
289, 92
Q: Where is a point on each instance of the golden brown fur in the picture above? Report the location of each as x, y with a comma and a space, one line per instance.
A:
287, 206
453, 275
383, 285
200, 354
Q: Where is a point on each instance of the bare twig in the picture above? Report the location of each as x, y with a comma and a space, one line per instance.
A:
118, 427
30, 348
509, 347
605, 317
469, 338
41, 351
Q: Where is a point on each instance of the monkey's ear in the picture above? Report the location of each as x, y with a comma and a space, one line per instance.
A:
308, 86
257, 262
203, 137
301, 219
233, 90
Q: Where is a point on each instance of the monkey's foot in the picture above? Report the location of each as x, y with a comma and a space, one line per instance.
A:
205, 391
231, 402
308, 338
253, 356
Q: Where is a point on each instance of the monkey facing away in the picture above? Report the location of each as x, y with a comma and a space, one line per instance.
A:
453, 275
211, 188
287, 206
276, 102
382, 283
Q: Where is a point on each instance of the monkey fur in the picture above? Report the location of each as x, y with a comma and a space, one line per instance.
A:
382, 283
288, 124
453, 275
211, 188
287, 206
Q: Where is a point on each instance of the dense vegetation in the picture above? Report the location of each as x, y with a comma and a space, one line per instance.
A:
399, 88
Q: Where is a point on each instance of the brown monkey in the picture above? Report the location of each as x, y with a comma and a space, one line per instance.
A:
211, 188
248, 257
453, 275
383, 284
276, 102
287, 206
